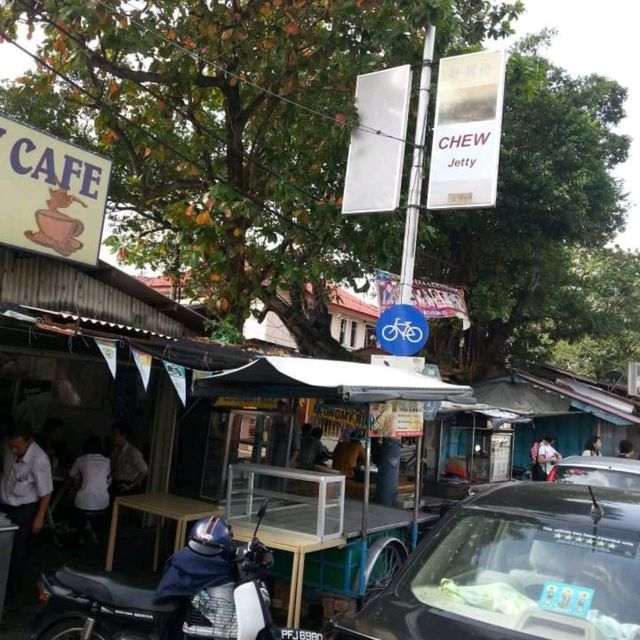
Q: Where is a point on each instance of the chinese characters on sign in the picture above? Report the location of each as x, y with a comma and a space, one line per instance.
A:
466, 136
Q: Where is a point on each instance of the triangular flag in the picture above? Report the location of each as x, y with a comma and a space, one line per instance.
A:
143, 362
178, 376
110, 352
196, 375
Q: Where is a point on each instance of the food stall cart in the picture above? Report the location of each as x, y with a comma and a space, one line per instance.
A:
364, 546
473, 446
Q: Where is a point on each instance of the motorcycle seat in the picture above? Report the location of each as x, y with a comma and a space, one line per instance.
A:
111, 590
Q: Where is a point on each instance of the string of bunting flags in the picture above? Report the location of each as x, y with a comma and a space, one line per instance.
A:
144, 361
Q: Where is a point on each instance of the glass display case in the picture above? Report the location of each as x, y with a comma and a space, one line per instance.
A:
305, 503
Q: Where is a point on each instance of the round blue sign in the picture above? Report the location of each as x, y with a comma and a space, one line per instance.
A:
402, 330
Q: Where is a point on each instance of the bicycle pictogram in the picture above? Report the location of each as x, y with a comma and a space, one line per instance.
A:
404, 329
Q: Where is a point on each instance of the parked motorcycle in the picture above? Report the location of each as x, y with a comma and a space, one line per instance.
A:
91, 605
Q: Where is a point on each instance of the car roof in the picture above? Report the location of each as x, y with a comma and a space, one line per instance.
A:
603, 462
568, 502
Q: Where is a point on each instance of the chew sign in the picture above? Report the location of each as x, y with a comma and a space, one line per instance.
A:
53, 194
466, 137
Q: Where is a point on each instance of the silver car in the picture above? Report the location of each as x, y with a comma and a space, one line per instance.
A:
598, 471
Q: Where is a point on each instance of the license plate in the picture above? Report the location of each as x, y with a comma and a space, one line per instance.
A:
300, 634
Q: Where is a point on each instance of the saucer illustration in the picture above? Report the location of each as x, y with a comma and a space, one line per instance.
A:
56, 229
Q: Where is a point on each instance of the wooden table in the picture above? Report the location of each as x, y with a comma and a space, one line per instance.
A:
297, 544
164, 505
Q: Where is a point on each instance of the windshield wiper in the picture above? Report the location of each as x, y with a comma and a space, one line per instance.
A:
597, 511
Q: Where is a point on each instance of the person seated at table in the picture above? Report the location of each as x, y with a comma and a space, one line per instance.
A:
50, 441
128, 468
312, 451
347, 456
91, 473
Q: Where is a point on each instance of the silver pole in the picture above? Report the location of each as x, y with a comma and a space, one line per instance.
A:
367, 484
417, 167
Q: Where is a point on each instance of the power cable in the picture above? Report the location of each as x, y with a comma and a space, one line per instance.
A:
240, 78
155, 137
182, 112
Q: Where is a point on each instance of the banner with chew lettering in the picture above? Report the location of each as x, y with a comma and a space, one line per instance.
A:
54, 194
466, 136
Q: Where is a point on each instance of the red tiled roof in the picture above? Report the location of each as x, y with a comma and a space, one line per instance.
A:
155, 282
345, 300
339, 297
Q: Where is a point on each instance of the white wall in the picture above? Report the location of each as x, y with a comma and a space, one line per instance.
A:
270, 330
274, 331
361, 329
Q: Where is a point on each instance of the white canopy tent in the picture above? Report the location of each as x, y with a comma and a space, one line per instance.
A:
284, 377
330, 379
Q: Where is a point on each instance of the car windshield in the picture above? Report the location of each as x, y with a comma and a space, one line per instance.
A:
598, 477
546, 579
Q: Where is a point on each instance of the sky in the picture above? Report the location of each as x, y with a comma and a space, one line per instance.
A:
592, 38
602, 38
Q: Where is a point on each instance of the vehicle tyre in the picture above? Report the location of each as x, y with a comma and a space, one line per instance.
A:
71, 629
386, 557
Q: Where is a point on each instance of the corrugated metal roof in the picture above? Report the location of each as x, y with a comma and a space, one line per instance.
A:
105, 293
95, 322
585, 399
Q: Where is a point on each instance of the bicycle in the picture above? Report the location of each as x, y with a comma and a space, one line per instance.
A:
404, 329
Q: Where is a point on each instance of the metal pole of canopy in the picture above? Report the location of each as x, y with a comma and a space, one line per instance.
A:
473, 447
365, 509
418, 490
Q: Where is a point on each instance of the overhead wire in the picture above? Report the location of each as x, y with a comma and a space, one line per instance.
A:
179, 109
155, 137
241, 78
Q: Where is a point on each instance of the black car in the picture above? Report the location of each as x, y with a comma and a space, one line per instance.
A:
533, 560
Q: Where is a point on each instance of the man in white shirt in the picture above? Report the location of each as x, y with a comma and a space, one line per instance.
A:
25, 490
128, 467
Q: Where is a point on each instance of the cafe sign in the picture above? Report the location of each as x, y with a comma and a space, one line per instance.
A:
54, 194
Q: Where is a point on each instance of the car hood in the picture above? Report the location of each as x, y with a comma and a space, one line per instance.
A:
389, 618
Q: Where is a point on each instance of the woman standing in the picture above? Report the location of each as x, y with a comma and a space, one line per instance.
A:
593, 447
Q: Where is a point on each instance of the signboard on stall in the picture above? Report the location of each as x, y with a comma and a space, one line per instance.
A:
396, 419
466, 136
345, 415
248, 402
53, 194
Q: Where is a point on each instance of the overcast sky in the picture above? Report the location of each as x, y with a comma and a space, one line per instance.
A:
596, 37
592, 38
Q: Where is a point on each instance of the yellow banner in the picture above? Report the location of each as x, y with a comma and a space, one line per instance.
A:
53, 194
346, 416
248, 402
397, 419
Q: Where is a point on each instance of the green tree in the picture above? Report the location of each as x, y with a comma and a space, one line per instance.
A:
228, 122
556, 193
606, 290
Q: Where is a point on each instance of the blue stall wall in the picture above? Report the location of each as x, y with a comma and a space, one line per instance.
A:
571, 431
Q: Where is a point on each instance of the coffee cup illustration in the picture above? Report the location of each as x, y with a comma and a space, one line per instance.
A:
56, 229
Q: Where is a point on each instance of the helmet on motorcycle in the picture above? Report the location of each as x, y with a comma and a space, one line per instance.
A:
211, 536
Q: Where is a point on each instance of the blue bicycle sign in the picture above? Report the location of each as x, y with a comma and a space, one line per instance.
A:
402, 330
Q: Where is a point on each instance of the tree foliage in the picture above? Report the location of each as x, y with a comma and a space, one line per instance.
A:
556, 194
606, 289
229, 124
